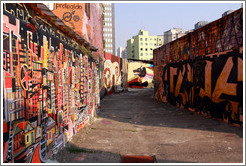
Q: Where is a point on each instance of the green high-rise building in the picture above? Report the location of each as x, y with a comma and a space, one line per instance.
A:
142, 45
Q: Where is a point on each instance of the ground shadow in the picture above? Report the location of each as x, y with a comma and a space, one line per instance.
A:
74, 154
138, 106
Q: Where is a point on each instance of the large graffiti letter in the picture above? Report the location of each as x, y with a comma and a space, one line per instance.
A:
222, 86
208, 73
173, 71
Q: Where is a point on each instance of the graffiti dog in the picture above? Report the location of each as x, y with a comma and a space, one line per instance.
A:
142, 77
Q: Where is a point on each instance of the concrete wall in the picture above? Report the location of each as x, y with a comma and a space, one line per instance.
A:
203, 71
50, 88
140, 75
124, 73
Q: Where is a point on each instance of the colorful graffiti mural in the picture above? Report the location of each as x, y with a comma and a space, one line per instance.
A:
140, 75
112, 72
204, 73
50, 88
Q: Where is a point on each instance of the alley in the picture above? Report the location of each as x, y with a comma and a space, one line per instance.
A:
133, 123
102, 82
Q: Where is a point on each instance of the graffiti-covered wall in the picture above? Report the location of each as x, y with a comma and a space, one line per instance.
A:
220, 35
111, 73
203, 70
85, 19
124, 73
50, 88
140, 75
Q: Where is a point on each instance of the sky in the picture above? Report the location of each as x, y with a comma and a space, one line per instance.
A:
160, 17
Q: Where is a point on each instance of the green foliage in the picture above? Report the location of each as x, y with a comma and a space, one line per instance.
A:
79, 150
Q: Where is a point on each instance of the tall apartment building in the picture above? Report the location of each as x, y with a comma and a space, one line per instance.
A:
109, 28
173, 34
142, 45
124, 53
121, 52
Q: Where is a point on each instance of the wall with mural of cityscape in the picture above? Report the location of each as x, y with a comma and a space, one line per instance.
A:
50, 88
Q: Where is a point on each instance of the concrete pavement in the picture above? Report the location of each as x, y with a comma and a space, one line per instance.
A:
133, 123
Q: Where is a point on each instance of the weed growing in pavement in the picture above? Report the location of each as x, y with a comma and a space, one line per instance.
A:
132, 130
79, 150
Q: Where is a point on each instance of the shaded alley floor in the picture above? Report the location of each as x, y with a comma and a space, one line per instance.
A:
133, 123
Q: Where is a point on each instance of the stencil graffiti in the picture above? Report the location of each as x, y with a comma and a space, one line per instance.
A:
87, 25
68, 16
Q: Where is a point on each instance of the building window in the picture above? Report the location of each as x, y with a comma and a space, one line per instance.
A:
12, 118
50, 135
146, 49
146, 44
150, 38
87, 9
141, 39
141, 54
27, 138
146, 54
155, 44
141, 49
151, 44
32, 137
146, 39
141, 44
